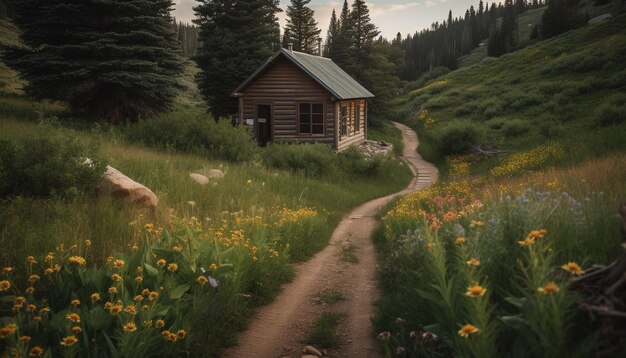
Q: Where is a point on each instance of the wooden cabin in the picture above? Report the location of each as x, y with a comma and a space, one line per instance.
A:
297, 97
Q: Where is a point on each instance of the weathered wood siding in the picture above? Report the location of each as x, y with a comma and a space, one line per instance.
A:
283, 86
353, 136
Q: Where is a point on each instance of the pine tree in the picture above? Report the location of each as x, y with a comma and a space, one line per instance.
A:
301, 28
331, 34
342, 49
363, 34
116, 59
237, 37
558, 18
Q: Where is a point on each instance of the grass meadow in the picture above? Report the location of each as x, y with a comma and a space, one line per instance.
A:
85, 275
484, 269
482, 263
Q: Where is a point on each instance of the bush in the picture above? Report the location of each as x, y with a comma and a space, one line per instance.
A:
458, 137
313, 160
47, 166
550, 129
354, 164
612, 112
194, 134
515, 128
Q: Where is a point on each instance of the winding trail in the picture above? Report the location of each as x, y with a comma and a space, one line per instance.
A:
280, 328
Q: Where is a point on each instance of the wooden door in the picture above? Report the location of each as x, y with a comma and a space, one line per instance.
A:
264, 123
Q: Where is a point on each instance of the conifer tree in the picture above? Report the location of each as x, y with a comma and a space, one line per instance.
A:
237, 37
116, 59
331, 35
363, 34
342, 49
301, 29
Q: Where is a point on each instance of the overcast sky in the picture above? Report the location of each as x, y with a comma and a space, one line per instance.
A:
390, 16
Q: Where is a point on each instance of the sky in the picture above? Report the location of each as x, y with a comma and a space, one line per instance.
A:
390, 16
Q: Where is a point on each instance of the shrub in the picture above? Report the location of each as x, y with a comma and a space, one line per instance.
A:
515, 128
47, 166
458, 137
550, 129
354, 164
612, 112
314, 160
194, 134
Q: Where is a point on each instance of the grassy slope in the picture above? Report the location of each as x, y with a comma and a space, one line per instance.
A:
525, 23
30, 224
553, 87
9, 81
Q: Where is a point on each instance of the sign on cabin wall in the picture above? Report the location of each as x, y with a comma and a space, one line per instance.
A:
250, 121
262, 120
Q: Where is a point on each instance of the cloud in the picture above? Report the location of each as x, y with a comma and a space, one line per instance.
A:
382, 9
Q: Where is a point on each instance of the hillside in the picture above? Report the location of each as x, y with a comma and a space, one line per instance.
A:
569, 90
9, 80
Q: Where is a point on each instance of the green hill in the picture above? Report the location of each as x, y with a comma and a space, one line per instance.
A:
10, 83
570, 90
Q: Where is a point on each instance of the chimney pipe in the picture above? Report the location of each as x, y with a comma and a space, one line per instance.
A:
290, 45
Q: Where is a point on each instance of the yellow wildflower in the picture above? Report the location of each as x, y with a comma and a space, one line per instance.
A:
131, 309
213, 267
49, 257
138, 298
48, 271
34, 278
5, 285
68, 341
159, 323
181, 334
25, 338
113, 290
138, 279
473, 262
172, 267
476, 223
87, 243
77, 260
95, 297
549, 288
537, 234
8, 330
117, 278
459, 240
30, 290
153, 295
7, 270
430, 245
527, 242
74, 317
76, 329
118, 264
31, 308
75, 302
44, 310
130, 327
20, 300
161, 263
573, 268
36, 351
468, 330
31, 260
145, 292
202, 280
475, 290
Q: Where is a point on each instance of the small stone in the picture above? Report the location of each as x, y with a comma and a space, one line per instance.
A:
199, 178
215, 174
309, 356
325, 352
312, 350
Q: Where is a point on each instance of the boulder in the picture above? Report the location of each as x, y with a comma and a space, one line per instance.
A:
124, 188
199, 178
215, 174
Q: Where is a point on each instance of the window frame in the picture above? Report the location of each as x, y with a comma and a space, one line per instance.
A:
343, 120
311, 123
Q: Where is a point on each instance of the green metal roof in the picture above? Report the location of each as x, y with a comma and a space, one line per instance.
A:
340, 84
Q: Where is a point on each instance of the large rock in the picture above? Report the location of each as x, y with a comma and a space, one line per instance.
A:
199, 178
124, 188
215, 174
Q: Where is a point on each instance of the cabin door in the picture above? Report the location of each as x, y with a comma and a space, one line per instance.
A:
264, 123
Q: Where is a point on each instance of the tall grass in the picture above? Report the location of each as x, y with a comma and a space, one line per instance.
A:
432, 238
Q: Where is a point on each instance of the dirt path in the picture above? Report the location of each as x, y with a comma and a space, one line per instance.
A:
280, 328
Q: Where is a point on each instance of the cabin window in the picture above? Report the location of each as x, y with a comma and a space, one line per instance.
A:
357, 118
344, 120
311, 118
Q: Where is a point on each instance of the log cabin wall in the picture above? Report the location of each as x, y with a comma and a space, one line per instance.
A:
284, 86
354, 133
